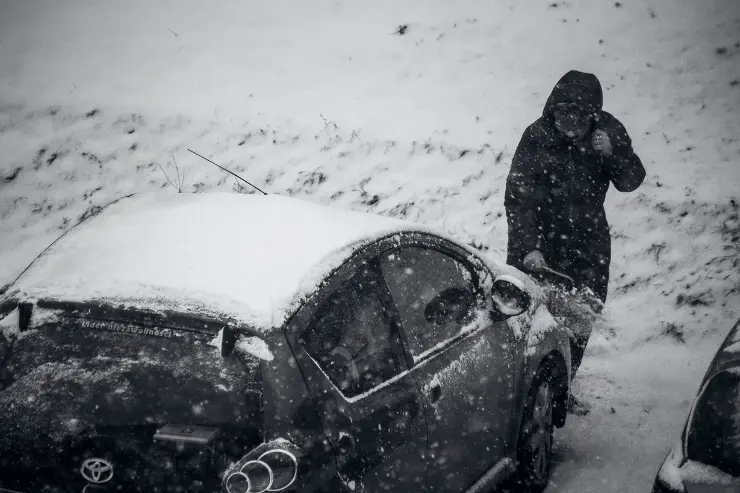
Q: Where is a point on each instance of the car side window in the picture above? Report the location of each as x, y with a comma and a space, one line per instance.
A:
352, 334
435, 295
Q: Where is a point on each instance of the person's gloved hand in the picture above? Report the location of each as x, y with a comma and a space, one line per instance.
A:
534, 261
601, 143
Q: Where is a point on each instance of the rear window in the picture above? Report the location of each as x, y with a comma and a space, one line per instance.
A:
76, 372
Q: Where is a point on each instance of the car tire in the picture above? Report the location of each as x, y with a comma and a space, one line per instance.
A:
534, 451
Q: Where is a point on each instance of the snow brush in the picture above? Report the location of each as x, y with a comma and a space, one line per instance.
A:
553, 271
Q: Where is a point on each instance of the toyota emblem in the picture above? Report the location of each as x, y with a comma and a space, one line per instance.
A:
97, 470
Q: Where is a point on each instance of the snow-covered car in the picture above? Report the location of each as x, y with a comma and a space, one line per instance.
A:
706, 459
245, 343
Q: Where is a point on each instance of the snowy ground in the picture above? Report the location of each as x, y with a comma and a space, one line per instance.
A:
325, 100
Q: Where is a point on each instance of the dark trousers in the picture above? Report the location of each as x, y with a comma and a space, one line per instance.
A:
577, 348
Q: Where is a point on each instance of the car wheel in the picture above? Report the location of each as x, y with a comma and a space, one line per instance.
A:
535, 436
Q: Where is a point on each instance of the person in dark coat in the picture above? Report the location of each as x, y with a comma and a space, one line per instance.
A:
558, 181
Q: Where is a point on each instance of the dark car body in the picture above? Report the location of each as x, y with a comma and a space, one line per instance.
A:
359, 387
706, 459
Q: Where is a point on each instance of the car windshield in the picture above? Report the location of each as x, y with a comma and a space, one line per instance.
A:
714, 434
72, 375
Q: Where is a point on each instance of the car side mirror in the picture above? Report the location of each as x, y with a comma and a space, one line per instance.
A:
509, 297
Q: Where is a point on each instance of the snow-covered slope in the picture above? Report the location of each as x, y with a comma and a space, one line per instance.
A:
327, 100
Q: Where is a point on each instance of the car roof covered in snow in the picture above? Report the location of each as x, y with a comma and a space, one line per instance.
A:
250, 258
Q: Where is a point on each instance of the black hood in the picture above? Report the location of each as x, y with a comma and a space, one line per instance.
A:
578, 88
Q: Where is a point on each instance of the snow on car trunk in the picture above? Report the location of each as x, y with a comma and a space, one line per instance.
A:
73, 386
95, 373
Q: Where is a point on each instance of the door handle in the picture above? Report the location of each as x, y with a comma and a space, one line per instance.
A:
435, 392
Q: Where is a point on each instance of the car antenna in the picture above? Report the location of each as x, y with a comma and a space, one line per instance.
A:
230, 172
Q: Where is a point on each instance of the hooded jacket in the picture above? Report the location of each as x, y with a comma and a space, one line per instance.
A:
556, 188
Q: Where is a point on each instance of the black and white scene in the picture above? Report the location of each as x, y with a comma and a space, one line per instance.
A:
347, 246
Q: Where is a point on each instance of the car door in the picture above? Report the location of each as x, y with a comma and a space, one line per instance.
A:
369, 405
462, 361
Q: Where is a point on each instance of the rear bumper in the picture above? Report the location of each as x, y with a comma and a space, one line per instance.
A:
669, 479
678, 475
